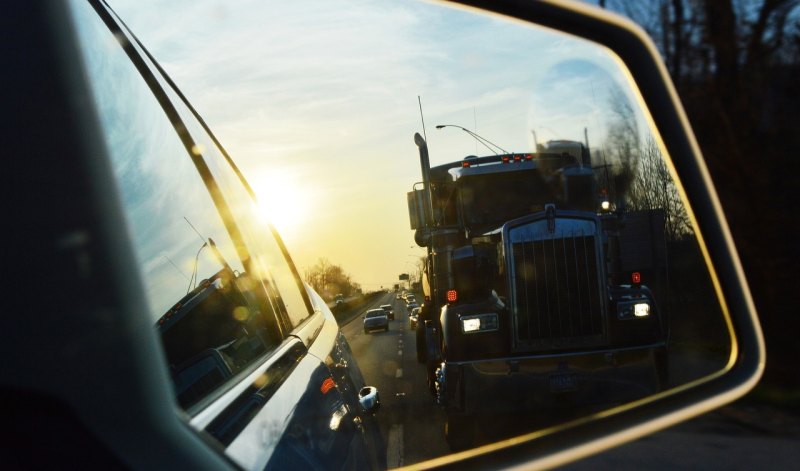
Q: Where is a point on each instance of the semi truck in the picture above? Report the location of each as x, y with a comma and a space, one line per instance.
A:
540, 290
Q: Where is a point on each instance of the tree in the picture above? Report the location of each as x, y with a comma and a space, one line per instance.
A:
329, 280
735, 64
652, 188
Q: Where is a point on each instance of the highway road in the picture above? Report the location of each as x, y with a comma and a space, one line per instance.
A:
411, 423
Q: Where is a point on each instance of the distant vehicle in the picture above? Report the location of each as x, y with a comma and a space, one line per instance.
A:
412, 305
413, 317
398, 296
376, 319
339, 299
410, 299
389, 311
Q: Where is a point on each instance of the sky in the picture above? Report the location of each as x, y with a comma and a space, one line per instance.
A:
317, 102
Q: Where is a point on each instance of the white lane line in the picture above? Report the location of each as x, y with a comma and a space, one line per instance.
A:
400, 353
398, 373
394, 447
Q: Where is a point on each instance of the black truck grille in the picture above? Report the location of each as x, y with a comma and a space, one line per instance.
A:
558, 298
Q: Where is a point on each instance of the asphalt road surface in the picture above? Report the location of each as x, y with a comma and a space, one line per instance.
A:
411, 423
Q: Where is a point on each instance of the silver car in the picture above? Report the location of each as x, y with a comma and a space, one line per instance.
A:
376, 319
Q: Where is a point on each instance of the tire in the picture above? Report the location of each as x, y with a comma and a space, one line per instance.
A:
433, 356
366, 331
386, 329
420, 343
459, 432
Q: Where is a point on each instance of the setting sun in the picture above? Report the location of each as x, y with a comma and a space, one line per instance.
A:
283, 200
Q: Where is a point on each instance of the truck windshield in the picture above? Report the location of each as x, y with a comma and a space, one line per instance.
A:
489, 200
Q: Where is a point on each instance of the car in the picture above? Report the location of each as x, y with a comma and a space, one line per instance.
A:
413, 317
389, 311
242, 351
376, 319
397, 296
93, 347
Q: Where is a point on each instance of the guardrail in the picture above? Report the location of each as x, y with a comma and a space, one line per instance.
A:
344, 311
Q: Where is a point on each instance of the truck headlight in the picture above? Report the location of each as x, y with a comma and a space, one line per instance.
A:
632, 309
479, 323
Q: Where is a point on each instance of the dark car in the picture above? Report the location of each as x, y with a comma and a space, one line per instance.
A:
251, 354
376, 319
389, 311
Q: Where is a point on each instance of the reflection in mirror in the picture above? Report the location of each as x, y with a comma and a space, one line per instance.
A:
557, 264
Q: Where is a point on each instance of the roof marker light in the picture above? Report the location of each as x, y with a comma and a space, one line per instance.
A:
452, 296
505, 159
636, 277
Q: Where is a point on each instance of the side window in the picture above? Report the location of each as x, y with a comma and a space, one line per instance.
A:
270, 257
271, 264
213, 317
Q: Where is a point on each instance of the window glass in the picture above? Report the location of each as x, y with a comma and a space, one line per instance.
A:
272, 264
269, 256
213, 319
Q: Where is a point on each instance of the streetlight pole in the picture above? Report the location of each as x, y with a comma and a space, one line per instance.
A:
478, 138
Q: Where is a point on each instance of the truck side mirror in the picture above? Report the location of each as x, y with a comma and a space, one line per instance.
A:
416, 208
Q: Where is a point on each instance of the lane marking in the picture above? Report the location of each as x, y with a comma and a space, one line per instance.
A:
394, 447
399, 353
398, 373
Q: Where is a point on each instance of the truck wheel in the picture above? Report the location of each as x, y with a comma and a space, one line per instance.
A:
459, 431
433, 356
420, 343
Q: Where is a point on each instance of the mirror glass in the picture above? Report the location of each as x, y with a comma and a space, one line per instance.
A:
553, 265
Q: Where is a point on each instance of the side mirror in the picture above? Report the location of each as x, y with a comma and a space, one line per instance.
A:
369, 399
84, 197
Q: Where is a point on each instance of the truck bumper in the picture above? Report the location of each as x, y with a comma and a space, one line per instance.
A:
572, 383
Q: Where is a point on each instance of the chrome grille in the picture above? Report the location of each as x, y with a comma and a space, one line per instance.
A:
558, 295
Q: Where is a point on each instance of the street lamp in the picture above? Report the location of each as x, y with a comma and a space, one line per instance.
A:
478, 138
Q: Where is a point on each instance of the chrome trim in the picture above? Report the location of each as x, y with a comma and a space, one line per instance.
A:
207, 415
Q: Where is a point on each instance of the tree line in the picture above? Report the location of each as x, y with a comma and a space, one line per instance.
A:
329, 279
735, 65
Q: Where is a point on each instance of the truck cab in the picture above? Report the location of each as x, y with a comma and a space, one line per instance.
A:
533, 297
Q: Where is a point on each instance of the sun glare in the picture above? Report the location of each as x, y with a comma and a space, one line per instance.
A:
282, 201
